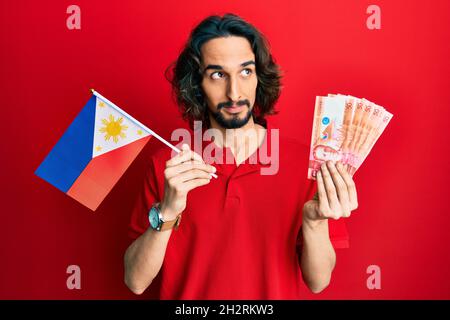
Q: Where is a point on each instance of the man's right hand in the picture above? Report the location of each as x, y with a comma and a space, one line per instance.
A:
184, 172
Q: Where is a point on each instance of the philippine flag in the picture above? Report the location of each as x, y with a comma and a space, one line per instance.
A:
94, 152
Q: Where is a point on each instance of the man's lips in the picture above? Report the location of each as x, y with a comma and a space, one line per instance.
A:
234, 109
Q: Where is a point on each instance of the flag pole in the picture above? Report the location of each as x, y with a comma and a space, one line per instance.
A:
150, 131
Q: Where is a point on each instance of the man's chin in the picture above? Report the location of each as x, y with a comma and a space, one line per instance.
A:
232, 121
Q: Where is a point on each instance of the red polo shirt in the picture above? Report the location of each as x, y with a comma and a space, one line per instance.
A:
239, 235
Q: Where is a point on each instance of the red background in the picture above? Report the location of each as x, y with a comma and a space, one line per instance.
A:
122, 51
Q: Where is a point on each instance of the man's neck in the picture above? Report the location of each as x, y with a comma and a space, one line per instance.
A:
242, 141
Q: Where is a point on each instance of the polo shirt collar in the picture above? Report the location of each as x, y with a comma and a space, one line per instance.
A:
231, 169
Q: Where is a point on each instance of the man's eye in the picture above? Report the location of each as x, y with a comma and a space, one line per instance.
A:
216, 75
246, 72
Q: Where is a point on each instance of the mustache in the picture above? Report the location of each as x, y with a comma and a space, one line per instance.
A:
230, 103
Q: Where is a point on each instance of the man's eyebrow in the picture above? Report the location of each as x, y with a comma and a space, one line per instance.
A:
246, 63
219, 67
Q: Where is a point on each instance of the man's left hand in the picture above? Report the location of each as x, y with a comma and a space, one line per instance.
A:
336, 195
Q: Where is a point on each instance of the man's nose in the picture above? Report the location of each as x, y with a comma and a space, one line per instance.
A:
233, 92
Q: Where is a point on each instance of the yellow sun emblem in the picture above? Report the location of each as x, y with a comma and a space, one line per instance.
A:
113, 128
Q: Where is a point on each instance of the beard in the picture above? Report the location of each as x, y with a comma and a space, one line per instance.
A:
235, 122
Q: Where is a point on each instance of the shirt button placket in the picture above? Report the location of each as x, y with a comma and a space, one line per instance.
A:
232, 199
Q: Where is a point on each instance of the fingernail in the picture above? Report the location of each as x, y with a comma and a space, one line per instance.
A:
323, 166
214, 169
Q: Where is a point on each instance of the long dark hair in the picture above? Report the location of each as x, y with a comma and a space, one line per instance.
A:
186, 76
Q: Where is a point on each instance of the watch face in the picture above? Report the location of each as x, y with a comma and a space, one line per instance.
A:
154, 218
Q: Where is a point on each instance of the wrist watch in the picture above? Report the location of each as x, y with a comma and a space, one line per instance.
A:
157, 222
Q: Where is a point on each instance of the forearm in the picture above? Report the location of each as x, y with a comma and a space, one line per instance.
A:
144, 258
318, 258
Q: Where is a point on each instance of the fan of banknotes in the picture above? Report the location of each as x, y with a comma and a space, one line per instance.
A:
345, 129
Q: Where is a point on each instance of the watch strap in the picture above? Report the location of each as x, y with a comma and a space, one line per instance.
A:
166, 225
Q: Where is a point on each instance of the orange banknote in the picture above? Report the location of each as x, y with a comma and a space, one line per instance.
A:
345, 128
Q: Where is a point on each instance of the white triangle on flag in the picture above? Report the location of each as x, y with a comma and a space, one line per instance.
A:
113, 130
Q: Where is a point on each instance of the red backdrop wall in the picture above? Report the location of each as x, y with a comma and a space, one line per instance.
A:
122, 51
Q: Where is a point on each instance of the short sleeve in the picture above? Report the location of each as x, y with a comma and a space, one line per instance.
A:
146, 197
337, 229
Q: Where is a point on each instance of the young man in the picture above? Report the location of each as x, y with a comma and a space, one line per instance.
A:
244, 235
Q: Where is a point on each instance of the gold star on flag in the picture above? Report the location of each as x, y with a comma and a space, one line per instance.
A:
139, 132
101, 104
98, 148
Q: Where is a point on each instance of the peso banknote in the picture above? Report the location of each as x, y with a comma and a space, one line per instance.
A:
345, 128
